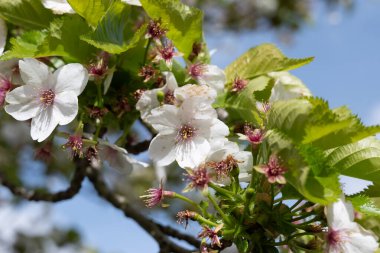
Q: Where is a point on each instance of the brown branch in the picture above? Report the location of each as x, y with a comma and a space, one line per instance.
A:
166, 245
177, 234
137, 148
34, 195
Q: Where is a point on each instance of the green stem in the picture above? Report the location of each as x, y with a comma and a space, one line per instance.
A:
146, 51
217, 208
201, 219
183, 198
303, 216
221, 190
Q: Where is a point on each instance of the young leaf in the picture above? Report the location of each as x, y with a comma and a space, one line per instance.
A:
365, 205
360, 159
261, 60
91, 10
114, 34
184, 23
29, 14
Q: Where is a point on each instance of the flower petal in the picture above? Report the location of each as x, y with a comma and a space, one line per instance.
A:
162, 149
58, 6
43, 124
22, 94
191, 154
65, 107
23, 103
339, 214
132, 2
71, 77
3, 35
35, 73
164, 119
213, 77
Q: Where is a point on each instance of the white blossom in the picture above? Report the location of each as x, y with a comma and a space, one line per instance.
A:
210, 75
148, 100
118, 158
345, 235
3, 35
185, 133
47, 98
205, 94
132, 2
287, 87
244, 159
58, 6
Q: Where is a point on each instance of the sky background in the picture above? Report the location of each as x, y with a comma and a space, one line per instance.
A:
345, 71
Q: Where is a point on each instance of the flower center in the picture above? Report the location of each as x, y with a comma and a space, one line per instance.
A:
197, 70
185, 133
47, 97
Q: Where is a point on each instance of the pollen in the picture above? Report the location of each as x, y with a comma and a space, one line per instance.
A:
47, 97
185, 133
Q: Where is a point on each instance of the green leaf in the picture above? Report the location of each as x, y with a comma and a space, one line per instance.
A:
242, 106
365, 205
184, 23
62, 39
264, 95
91, 10
29, 14
290, 117
25, 45
360, 159
261, 60
114, 32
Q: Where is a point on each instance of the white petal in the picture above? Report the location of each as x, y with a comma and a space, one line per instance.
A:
164, 119
206, 94
194, 108
43, 124
71, 77
65, 107
35, 73
245, 160
339, 214
191, 154
219, 129
162, 149
23, 111
22, 94
58, 6
3, 35
171, 82
147, 102
132, 2
213, 77
364, 242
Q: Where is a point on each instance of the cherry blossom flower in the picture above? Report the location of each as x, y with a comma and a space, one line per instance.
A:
345, 235
3, 35
210, 75
206, 94
166, 53
185, 216
148, 100
155, 30
75, 144
274, 171
156, 195
58, 6
46, 98
185, 133
211, 234
254, 136
287, 87
239, 84
225, 159
118, 158
198, 178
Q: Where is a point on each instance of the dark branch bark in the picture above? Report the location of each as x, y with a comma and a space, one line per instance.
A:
177, 234
147, 224
137, 148
33, 195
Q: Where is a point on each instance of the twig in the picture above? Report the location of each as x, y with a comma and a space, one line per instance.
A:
34, 195
148, 225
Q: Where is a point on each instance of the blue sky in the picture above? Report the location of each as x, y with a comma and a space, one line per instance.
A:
345, 72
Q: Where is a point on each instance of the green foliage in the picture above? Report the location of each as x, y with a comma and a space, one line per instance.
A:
91, 10
261, 60
360, 159
365, 205
29, 14
184, 23
113, 33
61, 39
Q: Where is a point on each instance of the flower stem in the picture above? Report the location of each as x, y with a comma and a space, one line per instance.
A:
217, 208
201, 219
183, 198
220, 190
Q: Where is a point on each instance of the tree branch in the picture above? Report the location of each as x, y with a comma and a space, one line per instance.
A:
34, 195
166, 245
